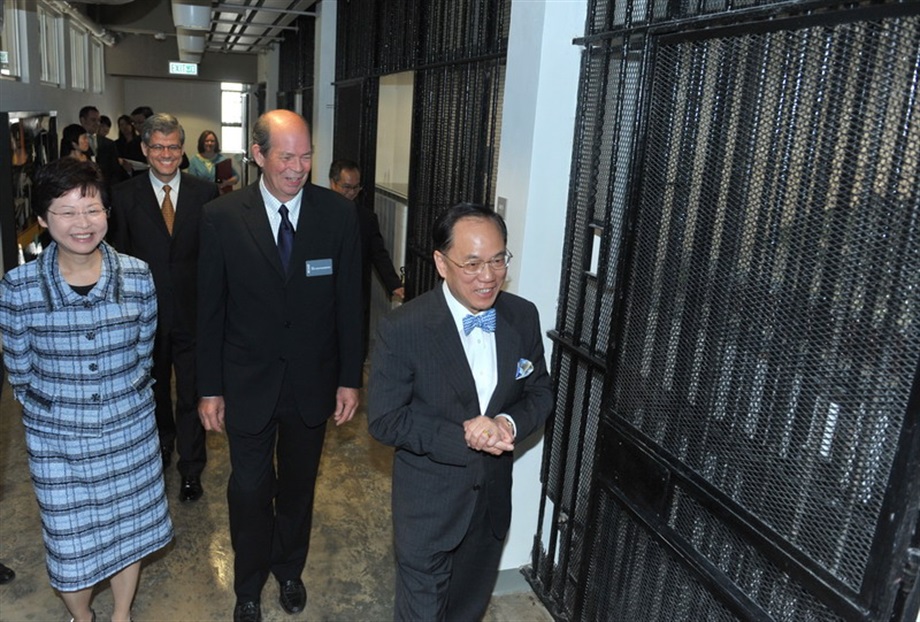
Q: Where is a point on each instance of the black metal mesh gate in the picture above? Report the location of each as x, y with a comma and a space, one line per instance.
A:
737, 433
457, 51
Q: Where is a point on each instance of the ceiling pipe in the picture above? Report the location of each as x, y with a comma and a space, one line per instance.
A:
95, 29
240, 8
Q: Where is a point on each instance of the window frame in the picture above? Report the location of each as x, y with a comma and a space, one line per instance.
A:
14, 35
51, 48
79, 53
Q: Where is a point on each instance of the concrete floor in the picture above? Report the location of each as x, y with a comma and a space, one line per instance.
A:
349, 574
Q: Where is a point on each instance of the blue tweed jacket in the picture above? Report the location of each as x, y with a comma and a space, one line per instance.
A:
79, 364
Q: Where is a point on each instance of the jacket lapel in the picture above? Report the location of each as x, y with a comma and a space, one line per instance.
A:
256, 221
451, 357
507, 347
148, 204
184, 208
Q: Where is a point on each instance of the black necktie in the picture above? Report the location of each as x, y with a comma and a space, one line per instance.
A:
285, 237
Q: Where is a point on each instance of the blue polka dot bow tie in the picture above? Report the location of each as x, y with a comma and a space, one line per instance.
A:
485, 321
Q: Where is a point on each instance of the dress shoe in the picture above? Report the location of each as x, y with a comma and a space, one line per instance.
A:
248, 611
293, 595
6, 574
191, 489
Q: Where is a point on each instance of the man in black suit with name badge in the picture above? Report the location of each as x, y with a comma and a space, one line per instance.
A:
156, 217
279, 350
457, 375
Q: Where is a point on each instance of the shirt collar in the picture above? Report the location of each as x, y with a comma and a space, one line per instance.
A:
272, 204
173, 183
457, 310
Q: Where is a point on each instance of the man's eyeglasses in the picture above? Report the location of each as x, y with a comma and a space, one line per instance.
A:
160, 148
350, 188
475, 266
70, 214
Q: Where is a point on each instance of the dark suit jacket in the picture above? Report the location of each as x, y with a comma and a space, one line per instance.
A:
256, 324
421, 390
374, 253
138, 229
107, 159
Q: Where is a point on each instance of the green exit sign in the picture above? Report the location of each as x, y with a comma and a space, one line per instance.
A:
183, 69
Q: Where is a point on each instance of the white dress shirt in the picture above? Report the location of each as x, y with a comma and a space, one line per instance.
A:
272, 205
173, 189
479, 347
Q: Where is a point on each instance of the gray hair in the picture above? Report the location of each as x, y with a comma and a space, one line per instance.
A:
165, 124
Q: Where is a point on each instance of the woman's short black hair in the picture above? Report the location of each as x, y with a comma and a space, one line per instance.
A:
57, 178
70, 136
443, 231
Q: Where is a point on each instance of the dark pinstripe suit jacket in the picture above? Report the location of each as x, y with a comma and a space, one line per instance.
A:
421, 391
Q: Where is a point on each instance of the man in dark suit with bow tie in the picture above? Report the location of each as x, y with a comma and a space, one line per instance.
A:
155, 217
279, 350
457, 375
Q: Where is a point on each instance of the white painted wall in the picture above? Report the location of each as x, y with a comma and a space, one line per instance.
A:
394, 131
323, 122
541, 88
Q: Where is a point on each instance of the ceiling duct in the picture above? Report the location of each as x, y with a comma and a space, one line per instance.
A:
189, 57
190, 16
191, 43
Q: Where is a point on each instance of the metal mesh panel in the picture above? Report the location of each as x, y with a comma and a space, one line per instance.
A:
767, 584
631, 577
774, 319
571, 440
377, 37
297, 48
755, 183
454, 146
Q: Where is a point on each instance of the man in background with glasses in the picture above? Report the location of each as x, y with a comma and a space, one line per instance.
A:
155, 217
457, 376
345, 178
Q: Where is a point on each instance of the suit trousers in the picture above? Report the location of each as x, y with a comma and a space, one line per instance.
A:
271, 512
451, 586
174, 349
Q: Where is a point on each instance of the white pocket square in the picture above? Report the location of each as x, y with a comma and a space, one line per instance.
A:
524, 369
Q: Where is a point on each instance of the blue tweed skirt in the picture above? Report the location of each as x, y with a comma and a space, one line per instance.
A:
101, 498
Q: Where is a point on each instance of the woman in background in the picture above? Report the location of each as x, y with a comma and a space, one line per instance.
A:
204, 165
75, 142
78, 325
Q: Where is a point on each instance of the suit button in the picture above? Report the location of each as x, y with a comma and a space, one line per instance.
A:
476, 487
287, 324
95, 397
91, 335
93, 367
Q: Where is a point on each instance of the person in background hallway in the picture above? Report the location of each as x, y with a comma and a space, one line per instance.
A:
128, 142
6, 573
103, 151
456, 376
204, 164
156, 218
75, 143
279, 350
105, 126
345, 178
78, 325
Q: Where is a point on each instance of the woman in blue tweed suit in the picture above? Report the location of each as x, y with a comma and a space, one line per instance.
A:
78, 325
